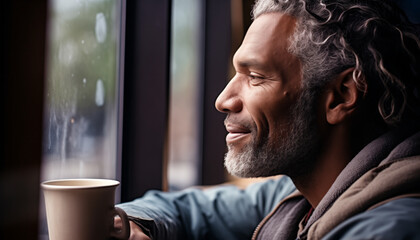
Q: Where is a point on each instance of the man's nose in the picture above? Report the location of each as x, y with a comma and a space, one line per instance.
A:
229, 99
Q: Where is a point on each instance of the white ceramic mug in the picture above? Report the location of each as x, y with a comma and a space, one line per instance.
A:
83, 209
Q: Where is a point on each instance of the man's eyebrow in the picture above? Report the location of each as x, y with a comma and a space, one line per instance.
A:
252, 62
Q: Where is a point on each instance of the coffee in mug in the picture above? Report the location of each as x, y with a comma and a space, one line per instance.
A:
83, 209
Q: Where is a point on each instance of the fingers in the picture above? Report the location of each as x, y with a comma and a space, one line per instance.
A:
137, 233
117, 223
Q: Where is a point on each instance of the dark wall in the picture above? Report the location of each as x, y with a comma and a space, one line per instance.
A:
23, 25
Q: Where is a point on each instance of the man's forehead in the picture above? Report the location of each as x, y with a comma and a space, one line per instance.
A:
272, 24
268, 35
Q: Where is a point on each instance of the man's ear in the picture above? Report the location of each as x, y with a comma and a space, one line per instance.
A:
341, 97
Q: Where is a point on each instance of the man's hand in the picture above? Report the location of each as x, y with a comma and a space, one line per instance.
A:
135, 231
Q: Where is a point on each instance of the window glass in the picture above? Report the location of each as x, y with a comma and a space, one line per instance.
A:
81, 104
80, 118
184, 95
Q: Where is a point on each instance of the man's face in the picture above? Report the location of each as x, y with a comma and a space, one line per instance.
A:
260, 99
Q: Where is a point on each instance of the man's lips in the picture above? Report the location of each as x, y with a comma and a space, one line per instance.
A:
236, 132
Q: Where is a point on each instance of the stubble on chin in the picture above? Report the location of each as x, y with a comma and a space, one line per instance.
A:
249, 161
291, 152
238, 162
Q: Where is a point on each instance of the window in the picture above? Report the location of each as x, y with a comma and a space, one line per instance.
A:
81, 92
81, 115
185, 99
80, 131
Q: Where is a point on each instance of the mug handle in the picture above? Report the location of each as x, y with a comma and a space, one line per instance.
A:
124, 233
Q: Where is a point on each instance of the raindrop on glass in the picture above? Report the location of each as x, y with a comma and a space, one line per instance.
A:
100, 27
100, 93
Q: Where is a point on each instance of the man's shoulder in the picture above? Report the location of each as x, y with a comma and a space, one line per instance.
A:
396, 219
383, 190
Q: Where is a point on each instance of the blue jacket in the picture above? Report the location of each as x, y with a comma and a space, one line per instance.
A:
223, 212
226, 212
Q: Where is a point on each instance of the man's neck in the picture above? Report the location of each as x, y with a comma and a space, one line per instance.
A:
334, 156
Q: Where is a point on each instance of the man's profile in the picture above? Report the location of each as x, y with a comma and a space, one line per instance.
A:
326, 93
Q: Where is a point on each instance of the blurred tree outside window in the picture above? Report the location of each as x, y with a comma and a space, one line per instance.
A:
81, 96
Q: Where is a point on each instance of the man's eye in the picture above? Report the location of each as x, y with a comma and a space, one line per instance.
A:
255, 78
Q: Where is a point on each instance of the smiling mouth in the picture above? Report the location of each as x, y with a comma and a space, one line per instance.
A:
236, 133
232, 137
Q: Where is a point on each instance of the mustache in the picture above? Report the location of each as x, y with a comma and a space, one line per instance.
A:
233, 120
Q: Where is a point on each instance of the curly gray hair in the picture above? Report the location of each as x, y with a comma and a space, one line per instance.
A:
373, 36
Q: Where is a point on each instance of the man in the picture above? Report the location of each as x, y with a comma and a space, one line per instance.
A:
328, 94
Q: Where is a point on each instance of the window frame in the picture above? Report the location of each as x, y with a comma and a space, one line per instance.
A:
216, 57
147, 48
144, 145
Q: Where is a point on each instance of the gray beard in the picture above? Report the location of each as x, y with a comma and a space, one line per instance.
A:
291, 153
